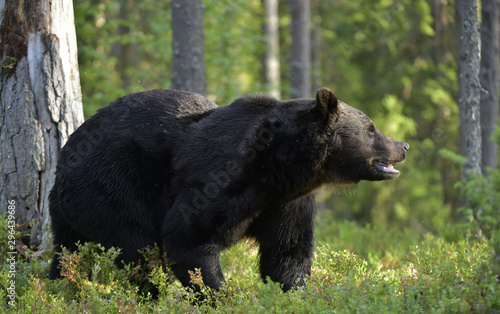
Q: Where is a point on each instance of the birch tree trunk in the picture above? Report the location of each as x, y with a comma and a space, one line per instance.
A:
271, 57
472, 88
301, 49
188, 46
488, 76
40, 105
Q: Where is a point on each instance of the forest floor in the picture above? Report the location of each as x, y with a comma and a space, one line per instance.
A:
367, 269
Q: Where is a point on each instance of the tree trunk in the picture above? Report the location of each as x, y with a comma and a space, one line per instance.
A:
301, 49
460, 42
271, 56
488, 76
188, 46
472, 88
124, 51
40, 105
439, 14
316, 47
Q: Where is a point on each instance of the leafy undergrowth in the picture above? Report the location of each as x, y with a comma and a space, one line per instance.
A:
356, 269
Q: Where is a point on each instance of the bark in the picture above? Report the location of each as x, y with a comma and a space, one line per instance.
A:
472, 87
488, 76
301, 50
40, 105
188, 46
271, 56
460, 43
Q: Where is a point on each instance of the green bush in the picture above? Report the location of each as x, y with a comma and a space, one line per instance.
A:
481, 196
356, 269
482, 207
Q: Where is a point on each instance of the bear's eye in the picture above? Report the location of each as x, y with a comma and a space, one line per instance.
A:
371, 130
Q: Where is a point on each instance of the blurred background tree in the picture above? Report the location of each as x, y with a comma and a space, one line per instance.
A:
394, 60
301, 49
490, 37
188, 46
271, 61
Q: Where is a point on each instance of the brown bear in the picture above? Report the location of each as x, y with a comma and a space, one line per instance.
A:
171, 168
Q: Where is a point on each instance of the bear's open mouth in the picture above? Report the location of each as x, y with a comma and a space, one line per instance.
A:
386, 167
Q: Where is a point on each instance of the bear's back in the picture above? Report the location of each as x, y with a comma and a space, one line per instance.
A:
153, 120
160, 110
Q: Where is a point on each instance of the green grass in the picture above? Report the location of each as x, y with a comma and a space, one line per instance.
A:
366, 269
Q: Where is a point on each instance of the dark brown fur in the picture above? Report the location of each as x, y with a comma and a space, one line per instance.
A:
170, 167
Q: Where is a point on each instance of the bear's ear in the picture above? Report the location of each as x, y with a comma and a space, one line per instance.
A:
326, 102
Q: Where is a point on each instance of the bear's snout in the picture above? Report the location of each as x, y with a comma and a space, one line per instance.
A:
406, 146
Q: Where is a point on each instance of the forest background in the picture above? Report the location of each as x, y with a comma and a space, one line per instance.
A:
427, 241
394, 60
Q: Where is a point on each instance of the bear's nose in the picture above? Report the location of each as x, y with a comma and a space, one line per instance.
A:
406, 146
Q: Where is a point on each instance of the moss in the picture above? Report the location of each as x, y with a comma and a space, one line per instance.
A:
8, 66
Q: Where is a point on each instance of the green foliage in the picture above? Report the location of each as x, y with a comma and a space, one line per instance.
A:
450, 270
481, 196
8, 66
119, 52
374, 272
90, 267
382, 247
383, 57
122, 51
4, 235
233, 49
454, 157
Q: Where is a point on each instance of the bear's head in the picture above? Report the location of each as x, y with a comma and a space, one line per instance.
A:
356, 150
